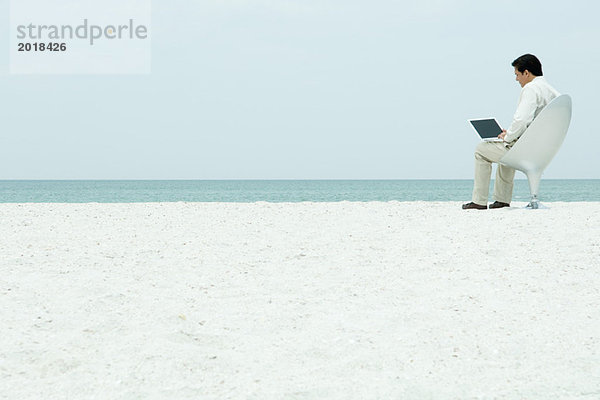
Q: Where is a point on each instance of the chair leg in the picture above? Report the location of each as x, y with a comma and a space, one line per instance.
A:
534, 179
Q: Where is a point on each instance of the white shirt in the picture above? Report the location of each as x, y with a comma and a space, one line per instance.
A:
535, 95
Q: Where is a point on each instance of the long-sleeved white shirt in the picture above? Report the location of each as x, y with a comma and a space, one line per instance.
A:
535, 95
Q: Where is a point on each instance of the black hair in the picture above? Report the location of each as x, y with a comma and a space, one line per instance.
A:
530, 63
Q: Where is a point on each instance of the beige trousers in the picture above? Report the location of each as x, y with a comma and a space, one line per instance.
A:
487, 153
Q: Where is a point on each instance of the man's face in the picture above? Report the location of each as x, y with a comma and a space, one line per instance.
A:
522, 77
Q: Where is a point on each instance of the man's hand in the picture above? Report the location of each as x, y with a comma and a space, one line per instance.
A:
502, 135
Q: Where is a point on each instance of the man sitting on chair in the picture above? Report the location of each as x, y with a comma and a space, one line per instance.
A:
536, 93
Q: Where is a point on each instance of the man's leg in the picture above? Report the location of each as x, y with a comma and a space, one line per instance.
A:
503, 187
486, 153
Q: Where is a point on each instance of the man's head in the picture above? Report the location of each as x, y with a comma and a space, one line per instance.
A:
527, 68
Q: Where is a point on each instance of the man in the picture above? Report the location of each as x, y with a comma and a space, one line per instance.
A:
536, 93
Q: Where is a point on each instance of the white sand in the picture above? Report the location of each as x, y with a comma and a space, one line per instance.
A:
299, 301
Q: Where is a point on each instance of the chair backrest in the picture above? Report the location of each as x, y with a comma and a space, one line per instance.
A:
540, 142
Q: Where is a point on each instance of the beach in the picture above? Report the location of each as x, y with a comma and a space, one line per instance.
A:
344, 300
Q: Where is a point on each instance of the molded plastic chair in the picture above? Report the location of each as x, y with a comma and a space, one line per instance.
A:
537, 146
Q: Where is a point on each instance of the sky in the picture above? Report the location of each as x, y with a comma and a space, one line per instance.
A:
305, 89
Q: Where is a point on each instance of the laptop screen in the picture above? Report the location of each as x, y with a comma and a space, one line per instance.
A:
486, 128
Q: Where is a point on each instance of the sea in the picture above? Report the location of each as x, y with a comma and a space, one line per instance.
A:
276, 191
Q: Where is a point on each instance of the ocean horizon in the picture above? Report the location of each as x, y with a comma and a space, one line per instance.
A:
137, 191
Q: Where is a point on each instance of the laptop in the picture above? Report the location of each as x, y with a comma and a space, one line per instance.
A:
487, 128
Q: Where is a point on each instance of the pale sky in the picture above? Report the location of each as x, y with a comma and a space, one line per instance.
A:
306, 89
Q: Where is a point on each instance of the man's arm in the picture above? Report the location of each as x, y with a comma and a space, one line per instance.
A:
523, 116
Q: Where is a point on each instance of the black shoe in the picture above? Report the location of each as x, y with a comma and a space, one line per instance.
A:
498, 204
473, 206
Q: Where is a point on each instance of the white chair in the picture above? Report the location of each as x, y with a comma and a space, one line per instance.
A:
537, 146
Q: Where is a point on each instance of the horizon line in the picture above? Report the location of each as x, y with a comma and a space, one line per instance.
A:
266, 179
